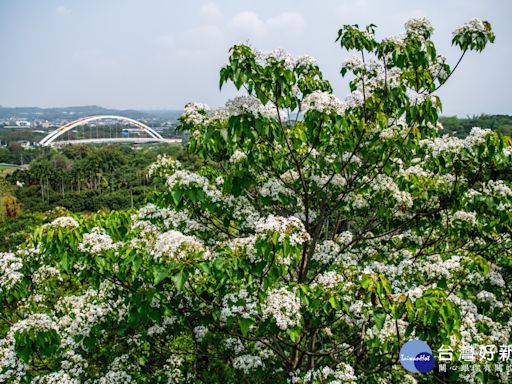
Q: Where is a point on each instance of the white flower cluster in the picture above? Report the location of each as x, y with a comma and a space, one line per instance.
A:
357, 97
477, 136
280, 55
290, 176
176, 246
328, 280
496, 278
241, 304
34, 322
115, 377
343, 374
184, 178
453, 144
290, 228
200, 332
73, 363
80, 313
247, 363
45, 273
195, 113
172, 369
435, 266
63, 222
497, 187
438, 69
10, 267
327, 252
356, 63
444, 144
284, 306
163, 166
490, 298
324, 102
385, 183
234, 344
237, 156
55, 378
416, 98
199, 114
171, 220
243, 246
249, 104
395, 131
97, 241
12, 368
397, 40
415, 170
274, 188
392, 77
472, 27
469, 217
345, 237
419, 26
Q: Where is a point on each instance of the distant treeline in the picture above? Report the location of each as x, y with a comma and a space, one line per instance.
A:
461, 127
88, 178
82, 111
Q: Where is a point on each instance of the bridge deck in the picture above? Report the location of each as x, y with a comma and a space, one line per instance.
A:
116, 140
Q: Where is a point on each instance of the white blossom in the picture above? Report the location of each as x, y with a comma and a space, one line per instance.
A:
176, 246
247, 363
290, 228
63, 222
475, 26
163, 165
237, 157
323, 102
419, 26
97, 241
284, 306
200, 332
469, 217
195, 113
10, 270
251, 105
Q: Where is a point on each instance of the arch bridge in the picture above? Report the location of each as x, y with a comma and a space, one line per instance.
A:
153, 135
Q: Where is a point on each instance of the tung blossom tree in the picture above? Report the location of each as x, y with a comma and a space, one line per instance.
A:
319, 237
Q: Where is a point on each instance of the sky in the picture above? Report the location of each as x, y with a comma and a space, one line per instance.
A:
160, 54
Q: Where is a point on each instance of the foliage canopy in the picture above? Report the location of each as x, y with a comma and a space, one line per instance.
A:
323, 235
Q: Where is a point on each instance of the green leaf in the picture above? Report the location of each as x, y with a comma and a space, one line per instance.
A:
245, 324
295, 334
160, 273
334, 303
179, 279
379, 316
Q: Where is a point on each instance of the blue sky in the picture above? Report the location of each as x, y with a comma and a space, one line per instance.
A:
159, 54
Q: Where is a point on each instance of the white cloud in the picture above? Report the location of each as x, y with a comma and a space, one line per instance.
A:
250, 23
289, 22
210, 12
62, 10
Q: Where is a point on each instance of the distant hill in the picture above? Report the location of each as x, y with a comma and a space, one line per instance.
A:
81, 111
461, 127
453, 125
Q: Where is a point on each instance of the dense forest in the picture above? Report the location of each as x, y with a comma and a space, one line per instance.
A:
78, 178
461, 127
